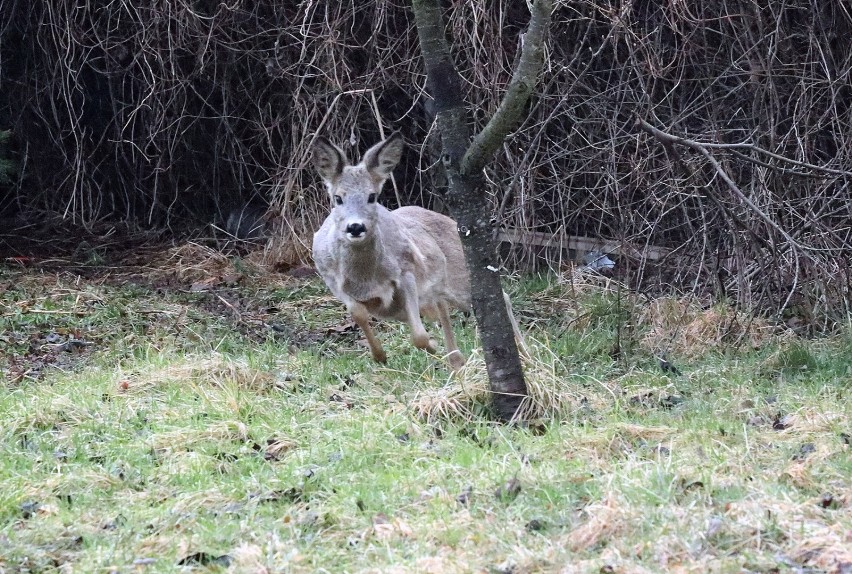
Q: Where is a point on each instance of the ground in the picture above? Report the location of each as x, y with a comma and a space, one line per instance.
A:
174, 409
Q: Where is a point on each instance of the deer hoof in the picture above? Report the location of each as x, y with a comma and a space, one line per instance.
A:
457, 360
380, 356
423, 341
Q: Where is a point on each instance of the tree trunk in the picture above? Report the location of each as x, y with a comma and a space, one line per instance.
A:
466, 199
505, 375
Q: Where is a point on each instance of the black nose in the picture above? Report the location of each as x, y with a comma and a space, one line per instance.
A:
356, 229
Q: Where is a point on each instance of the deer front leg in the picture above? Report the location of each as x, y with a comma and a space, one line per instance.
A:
361, 317
419, 336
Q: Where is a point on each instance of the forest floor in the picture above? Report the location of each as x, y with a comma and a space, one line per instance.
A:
173, 409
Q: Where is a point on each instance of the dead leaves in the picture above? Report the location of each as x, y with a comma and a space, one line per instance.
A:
385, 528
605, 520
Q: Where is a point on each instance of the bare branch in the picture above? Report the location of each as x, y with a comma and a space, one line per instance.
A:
509, 114
723, 175
671, 138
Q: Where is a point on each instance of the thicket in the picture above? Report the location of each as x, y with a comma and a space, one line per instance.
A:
720, 131
6, 164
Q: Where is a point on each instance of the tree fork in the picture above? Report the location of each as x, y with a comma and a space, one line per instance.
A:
466, 199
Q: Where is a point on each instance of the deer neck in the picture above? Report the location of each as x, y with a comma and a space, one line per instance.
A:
364, 259
366, 274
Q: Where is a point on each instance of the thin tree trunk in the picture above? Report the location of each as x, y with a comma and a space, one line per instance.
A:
466, 199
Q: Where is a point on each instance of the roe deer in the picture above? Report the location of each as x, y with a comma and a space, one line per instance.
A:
398, 264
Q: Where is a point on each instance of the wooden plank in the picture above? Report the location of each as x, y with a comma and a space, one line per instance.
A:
582, 244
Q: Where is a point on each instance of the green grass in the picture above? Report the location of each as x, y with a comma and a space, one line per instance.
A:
186, 434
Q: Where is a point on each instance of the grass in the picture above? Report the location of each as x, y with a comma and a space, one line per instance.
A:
239, 426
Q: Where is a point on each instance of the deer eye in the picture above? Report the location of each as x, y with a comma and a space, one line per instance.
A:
338, 200
371, 198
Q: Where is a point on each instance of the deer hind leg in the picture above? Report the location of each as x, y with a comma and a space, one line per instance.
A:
362, 318
454, 356
419, 336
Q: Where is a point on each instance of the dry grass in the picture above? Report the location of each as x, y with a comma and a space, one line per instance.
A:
201, 372
688, 328
604, 521
459, 400
465, 396
289, 245
191, 263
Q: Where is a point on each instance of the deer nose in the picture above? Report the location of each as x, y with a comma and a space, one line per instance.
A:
356, 229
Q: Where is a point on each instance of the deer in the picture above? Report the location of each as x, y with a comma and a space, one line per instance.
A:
400, 264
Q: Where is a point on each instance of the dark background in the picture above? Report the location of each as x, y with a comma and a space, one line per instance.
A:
171, 114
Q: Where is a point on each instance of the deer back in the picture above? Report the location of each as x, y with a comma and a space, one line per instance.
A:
442, 276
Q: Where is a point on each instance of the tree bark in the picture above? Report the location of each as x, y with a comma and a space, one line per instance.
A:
466, 198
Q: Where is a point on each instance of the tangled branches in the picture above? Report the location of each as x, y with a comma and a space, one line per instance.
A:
187, 108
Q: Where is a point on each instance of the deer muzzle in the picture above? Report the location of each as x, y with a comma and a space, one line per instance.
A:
356, 230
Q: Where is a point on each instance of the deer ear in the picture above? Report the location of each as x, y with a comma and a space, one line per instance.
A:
328, 159
383, 157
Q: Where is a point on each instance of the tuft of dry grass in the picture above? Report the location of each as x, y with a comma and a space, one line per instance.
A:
212, 369
288, 247
190, 263
185, 439
605, 520
248, 558
577, 281
687, 328
466, 394
460, 399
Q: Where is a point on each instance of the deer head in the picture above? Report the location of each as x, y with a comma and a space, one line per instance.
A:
354, 189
